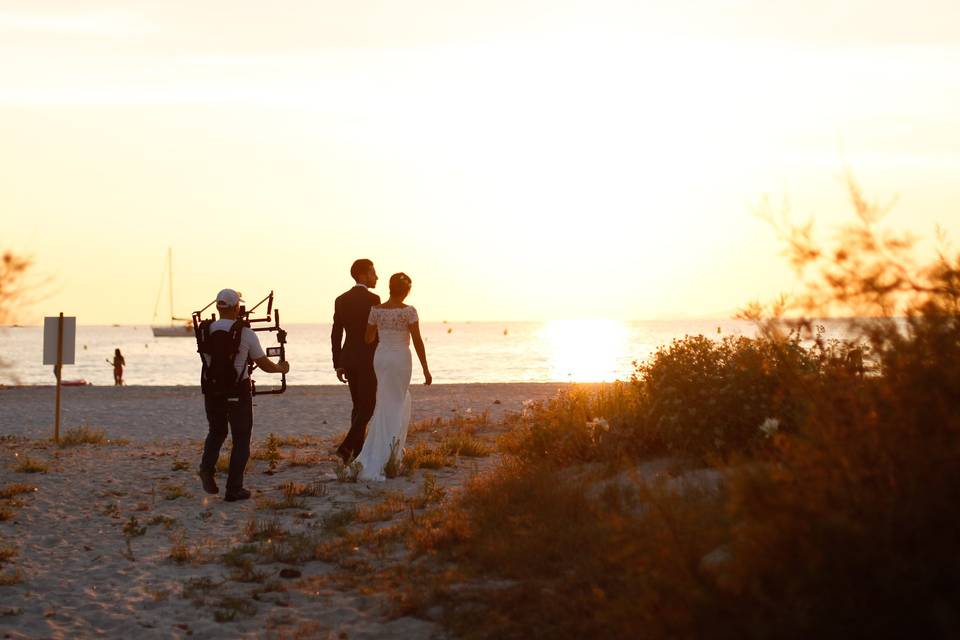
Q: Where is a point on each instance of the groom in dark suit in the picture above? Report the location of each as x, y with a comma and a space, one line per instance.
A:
353, 358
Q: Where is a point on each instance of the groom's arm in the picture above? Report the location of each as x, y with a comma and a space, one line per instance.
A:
336, 336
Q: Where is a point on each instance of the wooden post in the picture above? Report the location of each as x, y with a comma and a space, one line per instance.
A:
59, 365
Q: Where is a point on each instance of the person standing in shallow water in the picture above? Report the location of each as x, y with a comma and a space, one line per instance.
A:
118, 364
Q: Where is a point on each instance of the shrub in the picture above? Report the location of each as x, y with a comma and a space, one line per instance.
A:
835, 517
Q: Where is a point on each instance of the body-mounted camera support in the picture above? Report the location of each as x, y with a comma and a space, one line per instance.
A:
270, 322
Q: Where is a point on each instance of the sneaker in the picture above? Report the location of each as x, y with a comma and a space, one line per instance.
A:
209, 482
232, 495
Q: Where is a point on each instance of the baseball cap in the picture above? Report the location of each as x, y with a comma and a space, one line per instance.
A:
228, 298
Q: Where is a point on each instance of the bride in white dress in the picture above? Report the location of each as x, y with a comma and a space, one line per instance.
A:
394, 323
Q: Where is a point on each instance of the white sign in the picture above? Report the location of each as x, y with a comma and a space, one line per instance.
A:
50, 340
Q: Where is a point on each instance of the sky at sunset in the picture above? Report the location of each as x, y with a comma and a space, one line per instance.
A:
520, 160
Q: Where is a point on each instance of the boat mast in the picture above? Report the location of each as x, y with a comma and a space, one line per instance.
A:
170, 272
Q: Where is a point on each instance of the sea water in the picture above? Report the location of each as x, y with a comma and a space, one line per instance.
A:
458, 352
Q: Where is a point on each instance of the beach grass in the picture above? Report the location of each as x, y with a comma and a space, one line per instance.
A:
423, 456
463, 443
279, 504
315, 489
26, 464
11, 579
173, 491
257, 530
10, 491
347, 472
230, 608
303, 460
83, 435
337, 521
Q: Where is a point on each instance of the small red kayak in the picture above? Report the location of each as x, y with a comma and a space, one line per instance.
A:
75, 383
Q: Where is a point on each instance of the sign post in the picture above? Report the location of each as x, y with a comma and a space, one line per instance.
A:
59, 346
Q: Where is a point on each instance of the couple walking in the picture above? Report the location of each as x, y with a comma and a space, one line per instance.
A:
375, 361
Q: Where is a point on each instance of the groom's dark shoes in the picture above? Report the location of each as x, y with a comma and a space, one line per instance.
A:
209, 482
232, 495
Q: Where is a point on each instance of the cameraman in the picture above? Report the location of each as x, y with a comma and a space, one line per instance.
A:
236, 407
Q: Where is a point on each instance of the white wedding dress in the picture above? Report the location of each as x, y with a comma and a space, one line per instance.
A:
393, 365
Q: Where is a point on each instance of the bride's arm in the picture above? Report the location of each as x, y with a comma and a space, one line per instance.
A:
421, 351
371, 333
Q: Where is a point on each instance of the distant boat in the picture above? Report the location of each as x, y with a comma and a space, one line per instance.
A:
178, 327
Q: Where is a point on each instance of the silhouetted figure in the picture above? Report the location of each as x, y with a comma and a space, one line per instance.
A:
118, 364
353, 357
854, 361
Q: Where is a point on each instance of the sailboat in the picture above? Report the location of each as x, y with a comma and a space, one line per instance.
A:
179, 327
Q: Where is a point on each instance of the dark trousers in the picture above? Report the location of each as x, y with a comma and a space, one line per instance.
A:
238, 414
363, 392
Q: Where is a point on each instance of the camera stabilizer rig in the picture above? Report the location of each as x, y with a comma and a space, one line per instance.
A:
269, 323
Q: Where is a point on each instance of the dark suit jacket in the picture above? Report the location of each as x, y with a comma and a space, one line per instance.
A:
350, 312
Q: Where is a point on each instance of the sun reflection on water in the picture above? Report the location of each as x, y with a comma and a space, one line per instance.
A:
585, 350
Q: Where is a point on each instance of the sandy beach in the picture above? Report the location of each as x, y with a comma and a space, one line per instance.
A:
117, 539
173, 413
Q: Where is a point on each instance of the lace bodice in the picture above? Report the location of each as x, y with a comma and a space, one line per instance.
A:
393, 325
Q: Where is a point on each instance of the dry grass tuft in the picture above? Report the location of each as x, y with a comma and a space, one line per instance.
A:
182, 553
285, 502
304, 460
347, 472
10, 491
83, 435
230, 608
462, 443
26, 464
393, 503
298, 442
423, 456
392, 468
338, 521
167, 522
257, 530
173, 491
315, 489
10, 579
